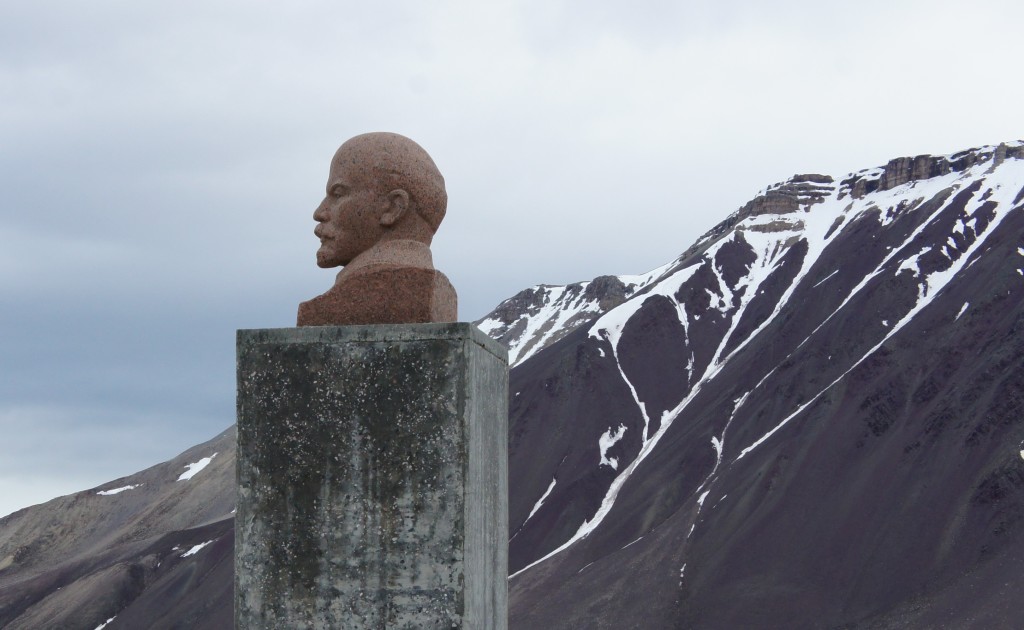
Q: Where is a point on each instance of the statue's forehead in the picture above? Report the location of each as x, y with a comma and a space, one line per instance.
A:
352, 164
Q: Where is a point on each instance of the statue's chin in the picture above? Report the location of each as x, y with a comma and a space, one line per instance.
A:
323, 261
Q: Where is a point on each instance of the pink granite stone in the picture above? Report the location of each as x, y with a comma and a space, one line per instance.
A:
385, 200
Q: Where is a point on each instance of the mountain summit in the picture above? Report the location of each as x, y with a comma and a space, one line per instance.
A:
812, 418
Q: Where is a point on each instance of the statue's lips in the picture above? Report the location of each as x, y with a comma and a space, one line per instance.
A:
319, 233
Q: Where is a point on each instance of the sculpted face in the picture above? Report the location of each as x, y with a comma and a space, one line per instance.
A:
385, 200
349, 217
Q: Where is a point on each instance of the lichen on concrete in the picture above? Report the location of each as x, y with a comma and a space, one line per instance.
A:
372, 480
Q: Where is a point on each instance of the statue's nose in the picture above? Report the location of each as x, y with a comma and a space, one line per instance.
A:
320, 214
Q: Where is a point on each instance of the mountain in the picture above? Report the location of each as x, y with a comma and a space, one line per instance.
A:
151, 550
812, 418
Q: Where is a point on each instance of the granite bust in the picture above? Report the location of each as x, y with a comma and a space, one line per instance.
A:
385, 200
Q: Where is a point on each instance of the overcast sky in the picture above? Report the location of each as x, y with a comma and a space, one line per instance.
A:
160, 163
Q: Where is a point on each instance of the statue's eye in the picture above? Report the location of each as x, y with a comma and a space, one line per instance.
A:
338, 190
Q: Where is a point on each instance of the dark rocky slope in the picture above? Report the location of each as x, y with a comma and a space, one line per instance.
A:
820, 412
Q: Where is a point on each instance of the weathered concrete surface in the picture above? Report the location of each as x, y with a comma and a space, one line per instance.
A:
372, 478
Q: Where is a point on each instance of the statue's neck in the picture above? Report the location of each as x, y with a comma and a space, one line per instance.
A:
390, 253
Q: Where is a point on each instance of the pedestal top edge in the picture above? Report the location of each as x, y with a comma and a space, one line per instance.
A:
374, 333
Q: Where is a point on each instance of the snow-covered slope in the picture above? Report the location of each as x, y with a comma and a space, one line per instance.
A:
537, 317
834, 297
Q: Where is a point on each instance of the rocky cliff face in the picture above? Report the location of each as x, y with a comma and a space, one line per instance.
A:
811, 418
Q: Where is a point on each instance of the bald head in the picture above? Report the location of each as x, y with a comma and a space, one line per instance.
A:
384, 201
388, 161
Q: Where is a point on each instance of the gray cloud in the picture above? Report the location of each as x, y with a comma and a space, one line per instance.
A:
159, 165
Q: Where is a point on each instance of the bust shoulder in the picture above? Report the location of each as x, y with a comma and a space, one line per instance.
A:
383, 294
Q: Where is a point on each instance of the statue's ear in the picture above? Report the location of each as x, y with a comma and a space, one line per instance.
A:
397, 204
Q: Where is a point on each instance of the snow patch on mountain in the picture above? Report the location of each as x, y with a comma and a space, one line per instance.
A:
607, 440
196, 549
823, 280
540, 501
107, 493
191, 470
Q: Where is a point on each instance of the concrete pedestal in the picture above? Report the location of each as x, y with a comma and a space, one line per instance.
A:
372, 478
